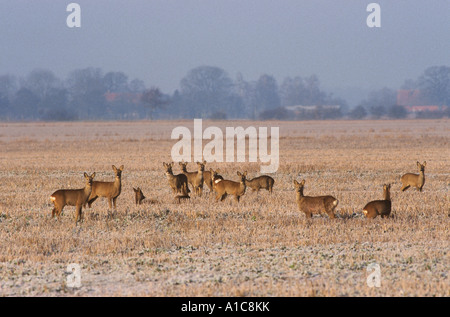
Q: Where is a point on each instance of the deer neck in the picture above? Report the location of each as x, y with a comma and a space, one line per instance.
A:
387, 195
87, 190
170, 176
118, 183
421, 177
242, 187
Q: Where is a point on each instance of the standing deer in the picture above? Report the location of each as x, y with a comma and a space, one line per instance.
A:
138, 196
72, 197
195, 178
318, 204
110, 190
415, 180
176, 182
379, 207
224, 187
210, 176
263, 181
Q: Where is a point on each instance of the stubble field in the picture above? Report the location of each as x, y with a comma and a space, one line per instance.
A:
261, 246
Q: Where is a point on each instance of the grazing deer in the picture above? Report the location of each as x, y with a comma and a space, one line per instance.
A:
195, 178
318, 204
263, 181
72, 197
138, 196
415, 180
184, 193
224, 187
379, 207
110, 190
176, 182
211, 176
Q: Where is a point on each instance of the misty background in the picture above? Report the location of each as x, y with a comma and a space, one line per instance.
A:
223, 59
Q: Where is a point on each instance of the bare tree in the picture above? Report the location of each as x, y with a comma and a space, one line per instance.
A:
153, 99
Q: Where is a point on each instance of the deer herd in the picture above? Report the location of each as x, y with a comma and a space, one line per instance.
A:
179, 183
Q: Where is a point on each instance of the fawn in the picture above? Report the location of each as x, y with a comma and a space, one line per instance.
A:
138, 196
318, 204
110, 190
72, 197
224, 187
259, 182
415, 180
379, 207
195, 178
176, 182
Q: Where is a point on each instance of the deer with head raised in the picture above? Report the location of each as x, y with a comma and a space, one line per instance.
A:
176, 182
109, 190
72, 197
311, 205
224, 187
379, 207
195, 178
414, 180
138, 195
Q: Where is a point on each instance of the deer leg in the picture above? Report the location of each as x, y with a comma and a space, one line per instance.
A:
78, 213
114, 201
405, 187
91, 201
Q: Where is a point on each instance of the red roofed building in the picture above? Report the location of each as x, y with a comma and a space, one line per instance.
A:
414, 101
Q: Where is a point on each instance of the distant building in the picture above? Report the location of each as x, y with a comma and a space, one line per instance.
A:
128, 96
414, 101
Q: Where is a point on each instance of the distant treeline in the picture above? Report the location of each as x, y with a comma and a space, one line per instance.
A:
205, 92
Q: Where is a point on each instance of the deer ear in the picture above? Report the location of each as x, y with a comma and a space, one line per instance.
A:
121, 167
425, 163
239, 173
303, 182
93, 175
86, 175
114, 168
296, 183
135, 190
204, 162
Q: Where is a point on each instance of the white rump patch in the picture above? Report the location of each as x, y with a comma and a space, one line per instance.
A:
217, 180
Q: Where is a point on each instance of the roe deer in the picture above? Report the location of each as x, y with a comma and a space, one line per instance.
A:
210, 177
110, 190
138, 196
176, 182
72, 197
224, 187
259, 182
379, 207
184, 193
415, 180
318, 204
195, 178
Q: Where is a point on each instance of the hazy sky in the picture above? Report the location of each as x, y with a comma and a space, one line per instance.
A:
159, 41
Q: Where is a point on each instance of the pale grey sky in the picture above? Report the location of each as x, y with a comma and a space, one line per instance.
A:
159, 41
